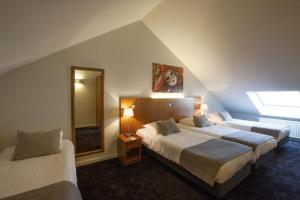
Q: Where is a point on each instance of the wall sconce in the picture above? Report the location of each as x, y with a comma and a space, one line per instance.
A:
78, 83
78, 76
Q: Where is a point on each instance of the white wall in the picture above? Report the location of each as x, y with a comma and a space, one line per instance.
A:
31, 29
38, 96
233, 46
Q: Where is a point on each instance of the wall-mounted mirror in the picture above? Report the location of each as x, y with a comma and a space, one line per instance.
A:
87, 110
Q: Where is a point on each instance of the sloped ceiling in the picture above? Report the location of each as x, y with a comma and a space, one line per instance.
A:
233, 46
32, 29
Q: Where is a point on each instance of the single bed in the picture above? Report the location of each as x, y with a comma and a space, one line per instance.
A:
279, 132
171, 150
46, 177
263, 145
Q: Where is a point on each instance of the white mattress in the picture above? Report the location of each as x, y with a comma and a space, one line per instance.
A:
246, 125
219, 131
171, 147
25, 175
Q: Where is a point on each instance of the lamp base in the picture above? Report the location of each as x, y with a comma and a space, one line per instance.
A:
127, 134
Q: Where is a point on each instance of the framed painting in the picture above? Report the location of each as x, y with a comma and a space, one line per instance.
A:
166, 78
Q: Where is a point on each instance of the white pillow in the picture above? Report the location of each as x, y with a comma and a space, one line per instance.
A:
146, 132
151, 127
225, 116
215, 116
189, 121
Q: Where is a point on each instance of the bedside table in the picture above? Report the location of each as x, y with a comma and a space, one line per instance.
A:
129, 151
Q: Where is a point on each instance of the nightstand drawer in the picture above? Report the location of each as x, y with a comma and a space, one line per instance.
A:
133, 144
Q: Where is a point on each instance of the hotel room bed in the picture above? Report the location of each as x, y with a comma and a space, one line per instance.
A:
279, 132
263, 145
46, 177
176, 150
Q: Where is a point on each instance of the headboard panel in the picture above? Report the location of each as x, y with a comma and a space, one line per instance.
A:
147, 110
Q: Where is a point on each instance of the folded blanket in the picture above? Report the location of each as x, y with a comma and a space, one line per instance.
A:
205, 160
63, 190
247, 138
273, 131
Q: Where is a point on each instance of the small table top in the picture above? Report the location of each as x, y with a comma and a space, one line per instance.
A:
127, 139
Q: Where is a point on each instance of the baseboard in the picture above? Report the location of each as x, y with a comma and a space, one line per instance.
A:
94, 160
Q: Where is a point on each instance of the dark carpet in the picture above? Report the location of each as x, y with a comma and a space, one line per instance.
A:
279, 178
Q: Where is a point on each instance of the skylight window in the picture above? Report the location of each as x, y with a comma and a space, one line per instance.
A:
279, 103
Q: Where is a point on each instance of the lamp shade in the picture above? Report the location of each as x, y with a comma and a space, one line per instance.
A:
128, 112
204, 107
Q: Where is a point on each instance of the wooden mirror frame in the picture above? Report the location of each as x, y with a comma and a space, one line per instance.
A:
73, 68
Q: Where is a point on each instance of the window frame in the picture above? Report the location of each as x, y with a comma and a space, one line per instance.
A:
275, 110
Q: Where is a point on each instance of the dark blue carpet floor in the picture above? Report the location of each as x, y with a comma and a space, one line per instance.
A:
278, 179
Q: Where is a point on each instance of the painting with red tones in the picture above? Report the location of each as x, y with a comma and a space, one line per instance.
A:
166, 78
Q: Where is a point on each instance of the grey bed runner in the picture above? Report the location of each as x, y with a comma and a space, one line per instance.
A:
63, 190
205, 160
247, 138
272, 131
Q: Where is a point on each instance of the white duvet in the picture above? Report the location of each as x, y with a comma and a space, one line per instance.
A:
25, 175
171, 147
246, 125
219, 131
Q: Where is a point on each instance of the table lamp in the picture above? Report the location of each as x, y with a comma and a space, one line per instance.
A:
128, 113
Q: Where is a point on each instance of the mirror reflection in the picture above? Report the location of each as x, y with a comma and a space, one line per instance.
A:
88, 110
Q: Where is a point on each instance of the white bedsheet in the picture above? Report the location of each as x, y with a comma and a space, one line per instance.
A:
171, 147
219, 131
25, 175
246, 125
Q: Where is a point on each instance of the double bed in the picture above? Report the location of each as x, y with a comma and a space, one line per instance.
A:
46, 177
201, 158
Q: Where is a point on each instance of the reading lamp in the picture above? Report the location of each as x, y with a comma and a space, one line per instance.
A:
78, 83
128, 113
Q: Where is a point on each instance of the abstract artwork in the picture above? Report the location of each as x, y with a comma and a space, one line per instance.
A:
166, 78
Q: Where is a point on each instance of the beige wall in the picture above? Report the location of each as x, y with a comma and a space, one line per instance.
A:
37, 96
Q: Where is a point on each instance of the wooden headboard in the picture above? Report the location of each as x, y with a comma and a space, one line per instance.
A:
147, 110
